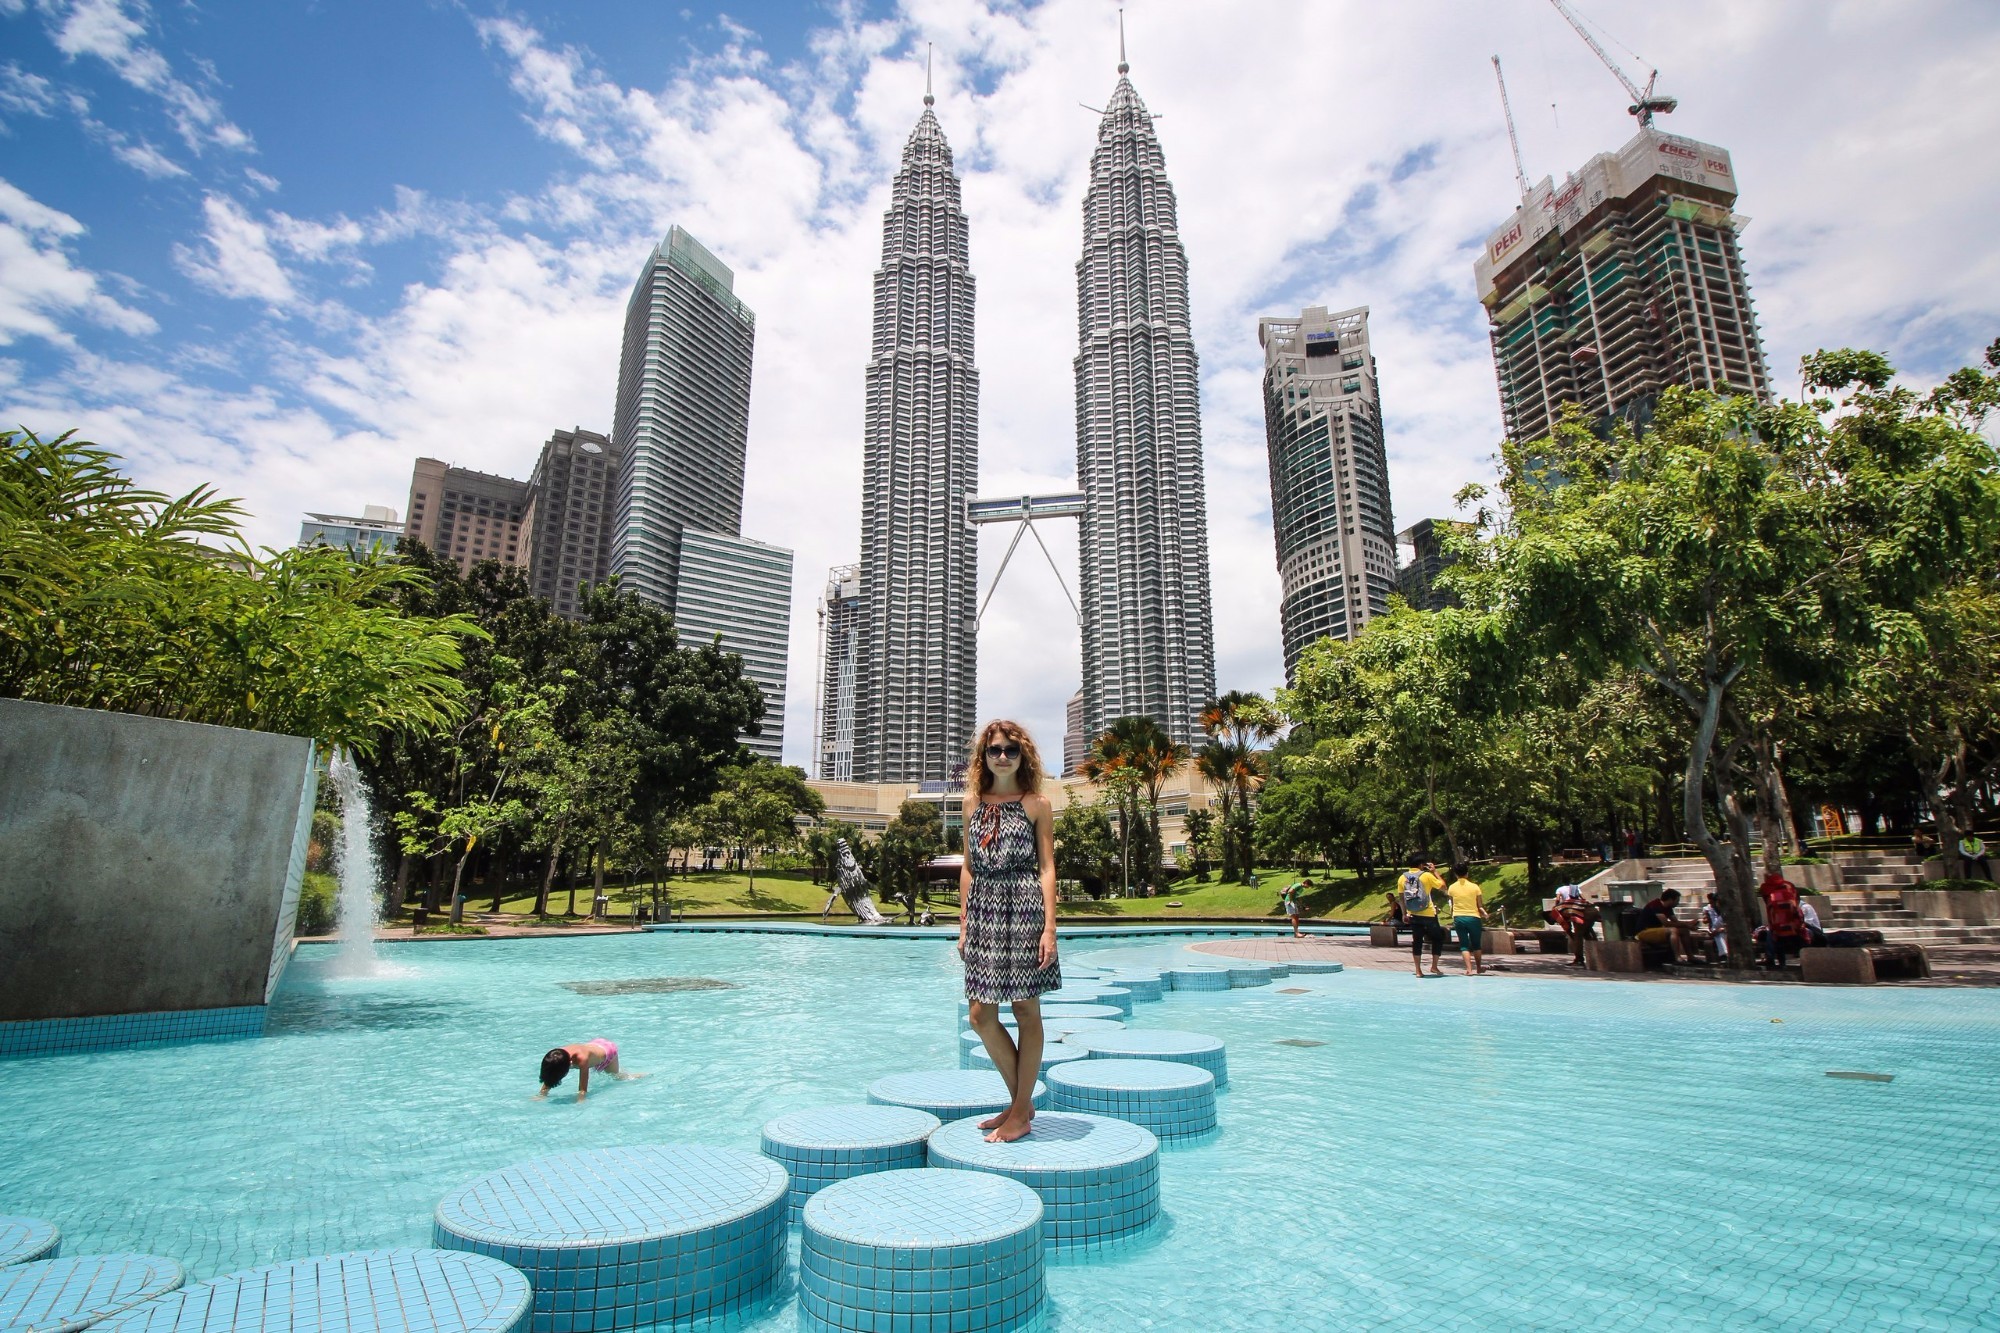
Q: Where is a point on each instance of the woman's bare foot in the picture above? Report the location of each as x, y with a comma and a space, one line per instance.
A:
992, 1120
1009, 1129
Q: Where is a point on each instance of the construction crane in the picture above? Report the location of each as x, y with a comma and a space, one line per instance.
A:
1645, 103
1513, 139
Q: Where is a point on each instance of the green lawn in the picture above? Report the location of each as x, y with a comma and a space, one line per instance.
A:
1336, 895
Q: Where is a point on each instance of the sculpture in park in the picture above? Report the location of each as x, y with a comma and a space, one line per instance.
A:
849, 883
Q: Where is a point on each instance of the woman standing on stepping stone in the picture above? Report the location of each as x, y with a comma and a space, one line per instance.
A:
1007, 918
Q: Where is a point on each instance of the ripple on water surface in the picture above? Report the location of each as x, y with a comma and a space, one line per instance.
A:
1771, 1196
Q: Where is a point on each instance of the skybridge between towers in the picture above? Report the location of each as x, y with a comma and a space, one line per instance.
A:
1022, 511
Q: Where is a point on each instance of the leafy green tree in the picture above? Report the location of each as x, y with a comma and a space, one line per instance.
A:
758, 807
1302, 817
1734, 553
1086, 846
1199, 827
119, 598
913, 837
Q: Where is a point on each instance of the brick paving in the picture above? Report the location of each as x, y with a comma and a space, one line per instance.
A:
1951, 964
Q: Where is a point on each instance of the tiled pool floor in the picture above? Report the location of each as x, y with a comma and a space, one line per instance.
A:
1511, 1153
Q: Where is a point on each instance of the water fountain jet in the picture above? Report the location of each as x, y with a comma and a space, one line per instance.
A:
354, 908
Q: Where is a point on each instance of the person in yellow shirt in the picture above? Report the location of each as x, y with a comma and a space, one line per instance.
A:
1468, 918
1414, 895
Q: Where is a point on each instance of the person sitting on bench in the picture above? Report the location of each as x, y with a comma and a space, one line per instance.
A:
1659, 929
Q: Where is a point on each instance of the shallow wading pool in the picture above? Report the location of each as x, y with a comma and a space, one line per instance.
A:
1503, 1152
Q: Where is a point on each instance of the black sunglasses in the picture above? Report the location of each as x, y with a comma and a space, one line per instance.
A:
1003, 752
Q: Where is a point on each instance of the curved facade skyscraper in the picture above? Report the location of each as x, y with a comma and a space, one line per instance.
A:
1148, 633
915, 681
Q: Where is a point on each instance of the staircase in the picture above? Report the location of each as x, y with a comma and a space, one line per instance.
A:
1871, 898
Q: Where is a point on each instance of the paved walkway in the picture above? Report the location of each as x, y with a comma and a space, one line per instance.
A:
1951, 964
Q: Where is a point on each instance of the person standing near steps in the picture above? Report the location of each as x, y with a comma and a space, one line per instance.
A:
1420, 911
1007, 919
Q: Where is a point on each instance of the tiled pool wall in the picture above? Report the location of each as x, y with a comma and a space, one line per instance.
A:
110, 1032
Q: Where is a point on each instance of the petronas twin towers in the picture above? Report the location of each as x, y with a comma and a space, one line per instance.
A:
1148, 641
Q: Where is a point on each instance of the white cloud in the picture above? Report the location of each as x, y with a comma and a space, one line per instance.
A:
25, 94
106, 30
143, 158
40, 284
239, 261
1323, 154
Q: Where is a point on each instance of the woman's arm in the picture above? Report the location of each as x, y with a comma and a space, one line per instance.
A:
1045, 848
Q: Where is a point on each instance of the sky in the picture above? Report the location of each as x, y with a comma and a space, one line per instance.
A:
285, 247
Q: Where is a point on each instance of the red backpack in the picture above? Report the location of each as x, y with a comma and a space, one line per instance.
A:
1781, 908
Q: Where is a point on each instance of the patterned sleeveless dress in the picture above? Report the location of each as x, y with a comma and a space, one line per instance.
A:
1003, 912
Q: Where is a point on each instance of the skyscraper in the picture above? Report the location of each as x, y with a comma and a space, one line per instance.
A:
572, 517
1148, 638
682, 421
915, 683
738, 593
466, 516
1329, 475
1624, 280
1418, 580
839, 637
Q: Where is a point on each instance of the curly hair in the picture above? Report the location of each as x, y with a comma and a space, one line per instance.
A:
978, 781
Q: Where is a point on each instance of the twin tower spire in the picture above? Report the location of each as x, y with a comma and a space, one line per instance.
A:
1148, 642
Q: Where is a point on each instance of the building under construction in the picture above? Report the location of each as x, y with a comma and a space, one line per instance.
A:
1623, 280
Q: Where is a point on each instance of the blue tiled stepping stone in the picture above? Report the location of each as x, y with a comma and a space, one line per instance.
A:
830, 1143
1083, 993
1055, 1013
949, 1094
1190, 1048
25, 1239
1317, 966
370, 1291
1249, 974
971, 1044
1196, 978
627, 1237
1143, 987
1174, 1100
64, 1295
1099, 1178
922, 1252
1053, 1053
1278, 970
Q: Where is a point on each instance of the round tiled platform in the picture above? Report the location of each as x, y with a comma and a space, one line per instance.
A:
924, 1250
1107, 993
1099, 1178
1304, 969
1144, 987
1189, 1048
971, 1044
830, 1143
1053, 1053
1278, 970
1085, 992
626, 1237
1052, 1013
47, 1295
26, 1239
949, 1094
1249, 974
1174, 1100
1196, 978
372, 1291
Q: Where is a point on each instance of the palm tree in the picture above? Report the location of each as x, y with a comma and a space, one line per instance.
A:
1238, 724
1110, 765
1143, 746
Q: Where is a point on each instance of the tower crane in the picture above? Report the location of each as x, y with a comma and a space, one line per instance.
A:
1513, 139
1645, 103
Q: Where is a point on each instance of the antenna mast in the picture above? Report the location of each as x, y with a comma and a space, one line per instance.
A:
1644, 102
1513, 139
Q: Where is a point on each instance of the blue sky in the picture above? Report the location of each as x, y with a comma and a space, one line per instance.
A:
286, 247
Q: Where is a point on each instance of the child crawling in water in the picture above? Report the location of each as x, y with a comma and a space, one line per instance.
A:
583, 1056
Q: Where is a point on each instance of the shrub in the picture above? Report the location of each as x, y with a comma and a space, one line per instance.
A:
316, 898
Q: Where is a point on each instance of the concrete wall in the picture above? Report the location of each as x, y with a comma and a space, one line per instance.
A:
1974, 907
144, 864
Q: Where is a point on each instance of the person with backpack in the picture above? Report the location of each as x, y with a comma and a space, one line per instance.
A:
1420, 911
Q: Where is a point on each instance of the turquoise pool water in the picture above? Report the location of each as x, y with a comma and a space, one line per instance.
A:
1500, 1153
